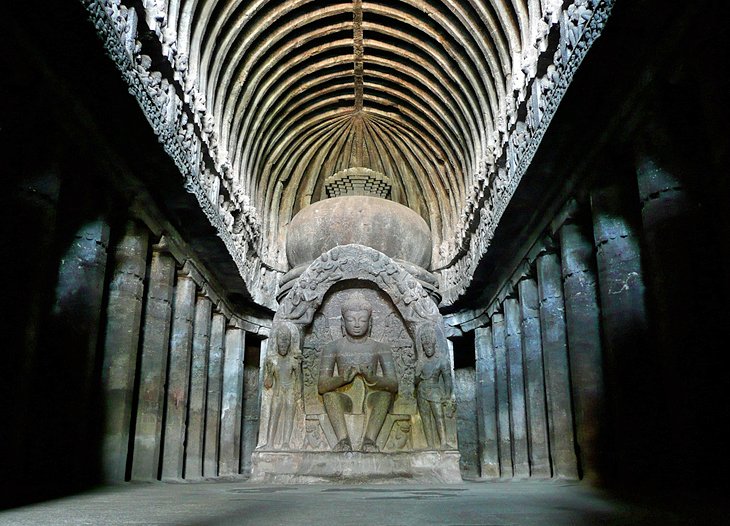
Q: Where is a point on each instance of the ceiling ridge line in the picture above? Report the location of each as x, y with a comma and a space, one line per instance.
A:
358, 52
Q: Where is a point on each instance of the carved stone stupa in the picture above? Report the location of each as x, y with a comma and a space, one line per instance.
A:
358, 377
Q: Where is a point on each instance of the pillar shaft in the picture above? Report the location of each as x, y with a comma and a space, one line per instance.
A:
534, 379
198, 388
486, 403
502, 389
251, 411
679, 242
178, 378
583, 323
153, 365
72, 344
123, 327
518, 415
630, 377
213, 400
232, 402
557, 370
466, 422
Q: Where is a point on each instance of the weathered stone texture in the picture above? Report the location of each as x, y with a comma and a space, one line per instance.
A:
251, 411
232, 402
486, 401
153, 366
503, 402
624, 319
534, 379
557, 372
74, 330
466, 421
123, 325
178, 378
518, 415
213, 398
583, 324
198, 388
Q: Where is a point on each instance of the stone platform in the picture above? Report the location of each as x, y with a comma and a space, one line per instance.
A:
297, 467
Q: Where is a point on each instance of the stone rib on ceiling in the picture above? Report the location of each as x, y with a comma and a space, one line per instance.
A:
417, 90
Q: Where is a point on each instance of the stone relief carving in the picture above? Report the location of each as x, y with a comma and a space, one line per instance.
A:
282, 376
579, 25
434, 387
357, 356
357, 314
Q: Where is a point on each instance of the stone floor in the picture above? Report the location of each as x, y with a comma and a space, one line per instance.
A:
484, 504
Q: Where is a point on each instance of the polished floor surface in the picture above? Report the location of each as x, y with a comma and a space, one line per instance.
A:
468, 504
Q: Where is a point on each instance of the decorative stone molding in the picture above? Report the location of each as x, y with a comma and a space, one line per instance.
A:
358, 181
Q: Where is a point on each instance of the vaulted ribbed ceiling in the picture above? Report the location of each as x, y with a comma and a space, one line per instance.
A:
268, 106
302, 89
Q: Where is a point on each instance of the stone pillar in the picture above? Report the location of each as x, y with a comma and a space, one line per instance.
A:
198, 388
232, 402
679, 242
72, 341
124, 318
178, 377
486, 404
518, 420
583, 322
213, 400
557, 370
534, 379
251, 410
466, 422
153, 364
502, 389
628, 373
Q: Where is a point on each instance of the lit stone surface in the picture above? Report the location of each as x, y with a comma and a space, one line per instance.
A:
358, 378
153, 365
299, 467
121, 342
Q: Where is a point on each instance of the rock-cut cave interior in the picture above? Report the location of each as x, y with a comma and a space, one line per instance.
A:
323, 253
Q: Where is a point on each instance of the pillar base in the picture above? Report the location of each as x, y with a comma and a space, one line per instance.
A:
311, 467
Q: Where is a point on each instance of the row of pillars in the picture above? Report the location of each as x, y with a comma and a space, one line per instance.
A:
173, 370
562, 362
524, 400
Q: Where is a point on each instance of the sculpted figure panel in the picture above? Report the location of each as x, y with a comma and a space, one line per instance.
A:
354, 355
375, 371
282, 378
434, 388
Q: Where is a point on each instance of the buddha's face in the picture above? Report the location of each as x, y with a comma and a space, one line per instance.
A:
428, 340
357, 322
283, 342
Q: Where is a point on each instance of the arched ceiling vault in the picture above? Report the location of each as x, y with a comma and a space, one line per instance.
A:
414, 89
268, 98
